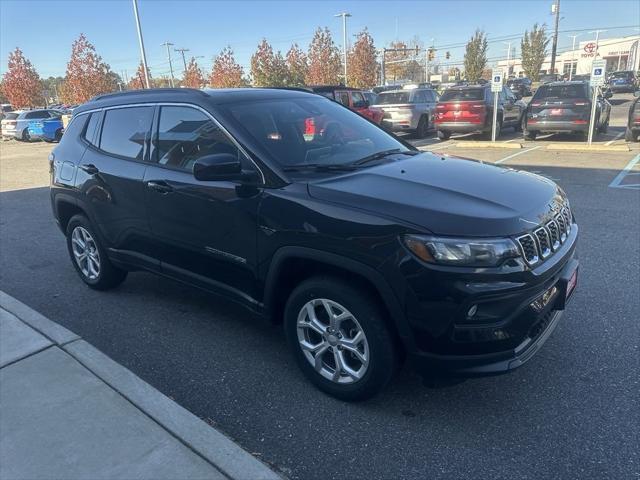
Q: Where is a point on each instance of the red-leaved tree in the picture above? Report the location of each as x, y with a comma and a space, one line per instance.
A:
268, 69
324, 60
87, 75
137, 81
21, 83
226, 72
362, 63
193, 76
297, 66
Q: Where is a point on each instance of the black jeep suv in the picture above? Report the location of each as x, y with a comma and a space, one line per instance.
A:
367, 249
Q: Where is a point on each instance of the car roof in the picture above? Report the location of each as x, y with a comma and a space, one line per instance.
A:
560, 83
216, 96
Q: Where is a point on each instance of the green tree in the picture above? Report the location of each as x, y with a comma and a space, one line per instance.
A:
475, 56
297, 66
534, 49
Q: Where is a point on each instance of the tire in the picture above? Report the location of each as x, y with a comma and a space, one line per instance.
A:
528, 134
357, 380
25, 136
102, 275
423, 127
444, 135
629, 136
58, 136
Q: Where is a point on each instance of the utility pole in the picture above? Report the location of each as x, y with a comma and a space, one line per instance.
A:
344, 16
554, 46
573, 53
143, 55
382, 72
184, 61
167, 44
508, 58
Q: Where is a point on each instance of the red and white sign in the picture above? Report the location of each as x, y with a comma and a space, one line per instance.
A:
590, 47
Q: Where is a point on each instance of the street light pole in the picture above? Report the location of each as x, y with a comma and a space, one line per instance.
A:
167, 44
143, 55
554, 46
573, 53
344, 16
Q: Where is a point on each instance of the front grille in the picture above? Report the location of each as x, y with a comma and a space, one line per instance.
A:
546, 239
541, 325
529, 249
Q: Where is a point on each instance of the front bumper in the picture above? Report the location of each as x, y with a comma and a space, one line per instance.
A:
515, 316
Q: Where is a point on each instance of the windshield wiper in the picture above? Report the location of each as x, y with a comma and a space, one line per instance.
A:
320, 167
382, 154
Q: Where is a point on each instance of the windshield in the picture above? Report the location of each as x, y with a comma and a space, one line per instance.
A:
311, 131
461, 95
390, 98
561, 91
11, 116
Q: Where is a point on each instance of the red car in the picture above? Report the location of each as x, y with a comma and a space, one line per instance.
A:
352, 98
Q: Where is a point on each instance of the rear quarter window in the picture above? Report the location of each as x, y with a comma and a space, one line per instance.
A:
125, 131
561, 91
390, 98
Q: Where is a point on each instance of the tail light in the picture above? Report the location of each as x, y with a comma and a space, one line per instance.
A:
478, 107
580, 122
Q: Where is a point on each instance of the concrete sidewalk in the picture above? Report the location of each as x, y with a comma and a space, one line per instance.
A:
68, 411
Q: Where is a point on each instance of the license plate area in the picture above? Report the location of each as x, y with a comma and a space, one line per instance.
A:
567, 285
556, 111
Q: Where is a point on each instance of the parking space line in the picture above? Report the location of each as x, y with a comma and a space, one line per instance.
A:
615, 138
509, 157
616, 183
512, 140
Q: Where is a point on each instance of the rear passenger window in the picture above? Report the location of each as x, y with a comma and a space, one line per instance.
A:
90, 132
125, 130
344, 98
186, 134
74, 129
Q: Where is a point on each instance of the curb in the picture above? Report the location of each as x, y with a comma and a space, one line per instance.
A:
206, 441
487, 144
583, 147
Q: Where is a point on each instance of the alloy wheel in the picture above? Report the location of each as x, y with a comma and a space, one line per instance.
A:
85, 252
332, 341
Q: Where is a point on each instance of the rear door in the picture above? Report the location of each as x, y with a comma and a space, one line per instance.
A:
561, 103
205, 231
110, 176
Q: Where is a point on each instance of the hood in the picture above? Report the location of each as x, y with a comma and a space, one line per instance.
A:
447, 195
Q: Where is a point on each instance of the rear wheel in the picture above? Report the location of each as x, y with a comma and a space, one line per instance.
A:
25, 136
528, 134
89, 256
604, 127
629, 136
423, 127
339, 338
443, 135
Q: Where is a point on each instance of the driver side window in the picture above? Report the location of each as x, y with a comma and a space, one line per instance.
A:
186, 134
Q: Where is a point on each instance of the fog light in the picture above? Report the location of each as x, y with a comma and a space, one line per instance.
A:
472, 311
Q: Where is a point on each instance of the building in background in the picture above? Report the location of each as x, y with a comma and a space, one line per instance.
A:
621, 53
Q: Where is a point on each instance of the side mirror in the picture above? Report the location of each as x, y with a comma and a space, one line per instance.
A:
636, 93
218, 166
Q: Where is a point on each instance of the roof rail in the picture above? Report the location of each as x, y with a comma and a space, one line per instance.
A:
145, 91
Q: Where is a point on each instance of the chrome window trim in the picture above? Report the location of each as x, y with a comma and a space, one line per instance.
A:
536, 258
544, 253
555, 244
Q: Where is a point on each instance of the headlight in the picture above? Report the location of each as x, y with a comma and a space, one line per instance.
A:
462, 252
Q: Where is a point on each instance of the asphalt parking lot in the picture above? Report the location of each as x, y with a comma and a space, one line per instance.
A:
571, 412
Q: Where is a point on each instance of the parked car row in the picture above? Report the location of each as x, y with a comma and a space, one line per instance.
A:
41, 124
632, 132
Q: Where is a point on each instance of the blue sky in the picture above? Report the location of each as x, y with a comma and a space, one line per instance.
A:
44, 30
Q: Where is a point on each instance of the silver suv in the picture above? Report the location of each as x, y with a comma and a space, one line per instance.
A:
408, 109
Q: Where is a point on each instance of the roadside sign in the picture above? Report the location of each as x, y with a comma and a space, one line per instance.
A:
496, 81
598, 70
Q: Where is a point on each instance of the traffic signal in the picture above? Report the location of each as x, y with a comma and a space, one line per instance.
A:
447, 55
432, 54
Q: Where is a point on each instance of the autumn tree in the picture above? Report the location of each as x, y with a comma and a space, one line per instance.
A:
297, 67
533, 49
362, 62
324, 60
475, 56
137, 81
193, 76
396, 61
21, 83
87, 75
268, 69
226, 72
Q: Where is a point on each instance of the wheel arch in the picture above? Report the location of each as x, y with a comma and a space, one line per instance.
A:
291, 265
66, 208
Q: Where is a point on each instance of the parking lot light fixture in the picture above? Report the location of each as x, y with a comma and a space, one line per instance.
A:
143, 55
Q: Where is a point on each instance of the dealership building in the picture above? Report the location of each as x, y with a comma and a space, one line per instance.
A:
620, 54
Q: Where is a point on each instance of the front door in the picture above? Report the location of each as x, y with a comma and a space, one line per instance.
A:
205, 231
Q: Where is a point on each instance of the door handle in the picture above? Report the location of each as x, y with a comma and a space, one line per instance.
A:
160, 186
89, 168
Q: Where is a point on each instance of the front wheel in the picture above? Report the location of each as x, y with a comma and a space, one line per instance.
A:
339, 338
89, 256
443, 135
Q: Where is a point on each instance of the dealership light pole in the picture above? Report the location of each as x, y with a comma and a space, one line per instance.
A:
168, 44
344, 16
573, 53
555, 9
143, 55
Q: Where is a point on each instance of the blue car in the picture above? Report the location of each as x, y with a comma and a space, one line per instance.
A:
25, 118
49, 129
623, 81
